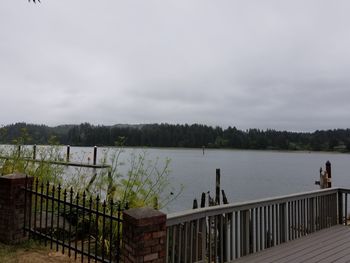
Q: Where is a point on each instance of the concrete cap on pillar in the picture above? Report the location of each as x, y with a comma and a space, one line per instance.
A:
144, 216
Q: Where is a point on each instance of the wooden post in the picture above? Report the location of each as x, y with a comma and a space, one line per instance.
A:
217, 186
195, 203
34, 151
219, 223
283, 225
340, 208
227, 219
210, 200
203, 200
320, 181
224, 198
68, 153
329, 173
95, 155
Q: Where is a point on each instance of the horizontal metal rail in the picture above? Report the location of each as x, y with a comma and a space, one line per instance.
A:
73, 205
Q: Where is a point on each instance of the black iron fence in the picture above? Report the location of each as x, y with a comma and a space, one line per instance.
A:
83, 227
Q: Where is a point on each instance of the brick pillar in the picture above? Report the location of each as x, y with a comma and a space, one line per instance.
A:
12, 207
144, 236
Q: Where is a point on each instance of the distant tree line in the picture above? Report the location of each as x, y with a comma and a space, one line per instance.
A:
170, 135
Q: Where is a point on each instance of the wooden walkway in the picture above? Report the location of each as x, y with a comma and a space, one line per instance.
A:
328, 245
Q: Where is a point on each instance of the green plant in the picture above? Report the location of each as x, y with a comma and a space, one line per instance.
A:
145, 182
138, 181
19, 159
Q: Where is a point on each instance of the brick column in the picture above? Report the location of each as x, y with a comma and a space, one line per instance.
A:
12, 207
144, 236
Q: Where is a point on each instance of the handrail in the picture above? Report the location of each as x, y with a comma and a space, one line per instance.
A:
195, 214
224, 233
64, 163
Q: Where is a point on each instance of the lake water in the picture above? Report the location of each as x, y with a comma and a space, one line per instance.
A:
245, 174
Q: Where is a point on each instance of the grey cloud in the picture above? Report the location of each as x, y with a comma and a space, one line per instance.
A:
269, 64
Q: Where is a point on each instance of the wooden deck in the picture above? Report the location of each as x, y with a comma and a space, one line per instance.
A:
239, 228
328, 245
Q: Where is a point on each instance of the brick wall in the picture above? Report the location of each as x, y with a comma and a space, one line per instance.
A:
144, 236
12, 207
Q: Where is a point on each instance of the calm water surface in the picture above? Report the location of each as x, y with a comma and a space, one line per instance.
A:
245, 175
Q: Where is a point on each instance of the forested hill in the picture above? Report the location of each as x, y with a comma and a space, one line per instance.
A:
168, 135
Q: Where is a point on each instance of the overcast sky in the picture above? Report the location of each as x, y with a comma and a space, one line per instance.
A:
250, 64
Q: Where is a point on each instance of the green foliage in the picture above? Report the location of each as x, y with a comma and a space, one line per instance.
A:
19, 156
144, 182
139, 181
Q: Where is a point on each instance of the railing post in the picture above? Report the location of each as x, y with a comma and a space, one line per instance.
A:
247, 231
340, 207
346, 209
144, 236
284, 222
13, 207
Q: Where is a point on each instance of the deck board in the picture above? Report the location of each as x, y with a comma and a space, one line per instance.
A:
295, 245
328, 245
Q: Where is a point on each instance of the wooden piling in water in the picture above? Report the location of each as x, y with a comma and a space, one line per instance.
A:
217, 187
219, 246
195, 204
224, 198
203, 200
68, 153
329, 174
95, 155
325, 177
34, 152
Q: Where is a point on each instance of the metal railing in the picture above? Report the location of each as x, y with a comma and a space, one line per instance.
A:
73, 223
227, 232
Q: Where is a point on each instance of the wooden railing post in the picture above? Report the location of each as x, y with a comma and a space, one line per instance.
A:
284, 222
246, 215
340, 207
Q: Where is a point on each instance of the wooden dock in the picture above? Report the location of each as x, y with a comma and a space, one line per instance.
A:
327, 245
75, 164
303, 227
